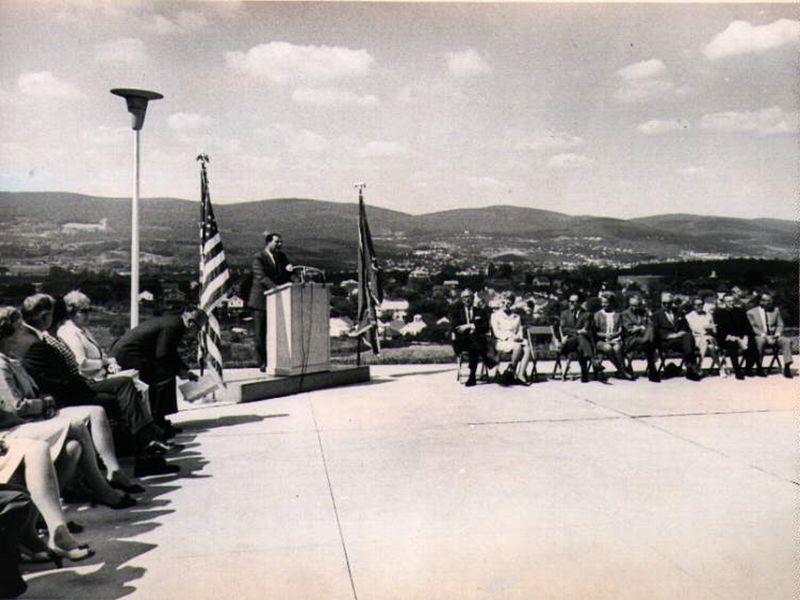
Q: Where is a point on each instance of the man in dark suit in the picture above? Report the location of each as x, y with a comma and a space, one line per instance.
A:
671, 332
637, 335
152, 349
735, 335
576, 324
469, 331
270, 268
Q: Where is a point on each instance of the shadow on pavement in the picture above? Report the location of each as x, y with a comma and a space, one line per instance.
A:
199, 425
112, 572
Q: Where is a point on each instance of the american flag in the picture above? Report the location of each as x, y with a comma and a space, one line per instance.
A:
370, 293
214, 276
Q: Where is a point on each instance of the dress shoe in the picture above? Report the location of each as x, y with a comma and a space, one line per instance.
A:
125, 501
787, 372
693, 375
262, 368
147, 466
470, 382
740, 376
654, 377
760, 373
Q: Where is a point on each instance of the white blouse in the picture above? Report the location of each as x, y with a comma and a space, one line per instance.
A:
88, 353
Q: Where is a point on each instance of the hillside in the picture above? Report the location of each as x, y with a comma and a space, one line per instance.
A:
324, 233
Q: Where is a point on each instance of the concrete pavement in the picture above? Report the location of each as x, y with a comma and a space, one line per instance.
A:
413, 486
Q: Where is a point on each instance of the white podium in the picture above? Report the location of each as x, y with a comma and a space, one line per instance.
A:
298, 334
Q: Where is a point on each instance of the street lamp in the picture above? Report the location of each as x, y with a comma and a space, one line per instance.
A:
137, 105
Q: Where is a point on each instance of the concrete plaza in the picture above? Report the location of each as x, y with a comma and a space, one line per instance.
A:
414, 487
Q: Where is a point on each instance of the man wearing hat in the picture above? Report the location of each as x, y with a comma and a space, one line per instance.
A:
270, 268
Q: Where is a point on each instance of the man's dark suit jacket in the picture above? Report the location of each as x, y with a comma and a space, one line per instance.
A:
152, 348
53, 376
480, 317
570, 323
662, 326
266, 275
732, 321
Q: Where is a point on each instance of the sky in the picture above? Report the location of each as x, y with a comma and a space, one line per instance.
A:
620, 110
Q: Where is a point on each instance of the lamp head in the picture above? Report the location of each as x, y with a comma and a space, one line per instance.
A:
137, 103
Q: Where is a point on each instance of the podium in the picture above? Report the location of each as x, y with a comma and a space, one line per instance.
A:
298, 335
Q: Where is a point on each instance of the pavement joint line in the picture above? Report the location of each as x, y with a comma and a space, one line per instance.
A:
703, 414
333, 501
562, 420
647, 423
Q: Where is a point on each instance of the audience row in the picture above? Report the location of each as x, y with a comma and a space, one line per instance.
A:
65, 407
724, 331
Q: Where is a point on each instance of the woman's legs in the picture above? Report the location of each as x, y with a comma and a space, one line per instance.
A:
102, 438
67, 462
523, 365
42, 484
94, 479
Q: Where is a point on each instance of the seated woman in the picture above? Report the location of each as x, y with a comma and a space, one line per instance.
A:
59, 376
507, 331
20, 394
27, 456
69, 324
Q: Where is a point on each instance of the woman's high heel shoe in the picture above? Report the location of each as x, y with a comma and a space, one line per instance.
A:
76, 554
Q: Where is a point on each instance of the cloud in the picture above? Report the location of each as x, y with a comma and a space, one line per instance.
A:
192, 20
645, 69
740, 37
283, 62
643, 81
770, 121
189, 121
658, 126
380, 149
44, 84
467, 63
545, 140
305, 141
162, 25
570, 162
124, 51
330, 96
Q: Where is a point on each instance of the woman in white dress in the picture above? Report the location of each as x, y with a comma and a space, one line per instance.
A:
28, 455
508, 335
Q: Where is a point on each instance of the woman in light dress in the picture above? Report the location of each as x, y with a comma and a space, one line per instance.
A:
509, 337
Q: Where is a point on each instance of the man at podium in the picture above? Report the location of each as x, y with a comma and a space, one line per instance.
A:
270, 268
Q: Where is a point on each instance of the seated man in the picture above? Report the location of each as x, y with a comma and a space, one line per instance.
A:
608, 332
767, 324
703, 329
637, 335
671, 332
576, 335
734, 334
508, 337
469, 330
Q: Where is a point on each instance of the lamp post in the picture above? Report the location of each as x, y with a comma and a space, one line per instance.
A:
137, 105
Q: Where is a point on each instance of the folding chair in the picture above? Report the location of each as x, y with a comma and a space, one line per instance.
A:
541, 336
662, 361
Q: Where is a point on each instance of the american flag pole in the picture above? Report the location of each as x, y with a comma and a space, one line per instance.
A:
214, 277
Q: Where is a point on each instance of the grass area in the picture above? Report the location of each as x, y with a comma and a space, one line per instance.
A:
412, 354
